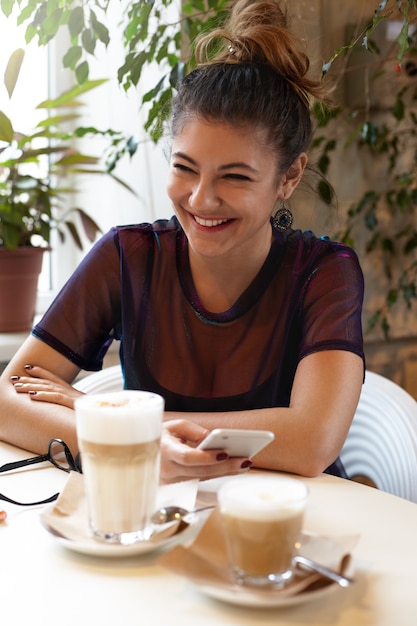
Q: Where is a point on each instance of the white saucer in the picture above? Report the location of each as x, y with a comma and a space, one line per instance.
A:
92, 547
243, 596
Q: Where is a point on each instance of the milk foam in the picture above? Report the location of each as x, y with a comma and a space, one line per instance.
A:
262, 497
120, 417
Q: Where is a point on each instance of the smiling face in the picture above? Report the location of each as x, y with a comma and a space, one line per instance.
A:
223, 183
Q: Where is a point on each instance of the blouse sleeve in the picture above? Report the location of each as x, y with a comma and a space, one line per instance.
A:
332, 303
84, 318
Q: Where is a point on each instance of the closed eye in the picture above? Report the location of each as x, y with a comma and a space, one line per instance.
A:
181, 167
237, 177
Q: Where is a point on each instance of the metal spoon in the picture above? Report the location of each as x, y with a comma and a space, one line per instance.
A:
174, 513
341, 580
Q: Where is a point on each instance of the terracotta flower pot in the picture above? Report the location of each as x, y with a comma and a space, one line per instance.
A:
19, 273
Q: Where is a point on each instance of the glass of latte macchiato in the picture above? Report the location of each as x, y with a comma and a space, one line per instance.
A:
262, 518
119, 440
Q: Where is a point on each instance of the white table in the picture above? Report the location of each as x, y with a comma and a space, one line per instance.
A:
43, 583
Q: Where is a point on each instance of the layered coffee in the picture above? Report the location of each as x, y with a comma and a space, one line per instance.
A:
262, 518
119, 440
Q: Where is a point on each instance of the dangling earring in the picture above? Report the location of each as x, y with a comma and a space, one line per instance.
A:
283, 218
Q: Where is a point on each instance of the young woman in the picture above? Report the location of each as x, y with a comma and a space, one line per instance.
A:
236, 319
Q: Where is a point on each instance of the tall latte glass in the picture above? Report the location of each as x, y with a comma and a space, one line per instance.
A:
262, 518
119, 439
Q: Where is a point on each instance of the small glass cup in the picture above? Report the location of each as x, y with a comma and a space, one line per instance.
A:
119, 439
262, 518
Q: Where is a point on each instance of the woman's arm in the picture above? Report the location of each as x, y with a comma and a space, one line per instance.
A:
310, 433
38, 405
25, 422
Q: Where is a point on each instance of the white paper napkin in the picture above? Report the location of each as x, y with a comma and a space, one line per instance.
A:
67, 517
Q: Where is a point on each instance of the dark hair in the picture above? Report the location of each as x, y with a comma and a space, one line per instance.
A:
253, 71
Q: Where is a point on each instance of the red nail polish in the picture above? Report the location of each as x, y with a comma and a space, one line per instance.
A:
27, 367
14, 378
246, 464
222, 456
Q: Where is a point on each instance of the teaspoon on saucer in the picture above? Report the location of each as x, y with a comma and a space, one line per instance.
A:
168, 514
340, 579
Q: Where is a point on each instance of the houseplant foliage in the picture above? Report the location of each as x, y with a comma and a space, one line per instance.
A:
33, 169
154, 32
32, 165
382, 221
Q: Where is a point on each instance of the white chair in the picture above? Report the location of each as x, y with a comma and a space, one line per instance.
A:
382, 440
107, 379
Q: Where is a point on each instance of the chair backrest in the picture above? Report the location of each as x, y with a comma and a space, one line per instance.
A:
107, 379
382, 440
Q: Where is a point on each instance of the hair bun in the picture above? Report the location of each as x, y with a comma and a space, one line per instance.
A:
257, 32
246, 14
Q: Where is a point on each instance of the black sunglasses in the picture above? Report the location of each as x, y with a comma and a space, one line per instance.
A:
58, 454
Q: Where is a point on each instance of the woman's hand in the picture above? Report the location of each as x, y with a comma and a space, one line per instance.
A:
180, 460
41, 385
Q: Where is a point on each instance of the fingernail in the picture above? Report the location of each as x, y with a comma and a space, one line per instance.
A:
222, 456
18, 385
14, 377
27, 367
32, 393
246, 464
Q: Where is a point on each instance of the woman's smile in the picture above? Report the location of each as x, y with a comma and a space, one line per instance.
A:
210, 223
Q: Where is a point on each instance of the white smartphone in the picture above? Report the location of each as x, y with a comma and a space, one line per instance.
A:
236, 441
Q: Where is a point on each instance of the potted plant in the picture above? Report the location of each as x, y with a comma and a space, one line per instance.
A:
32, 169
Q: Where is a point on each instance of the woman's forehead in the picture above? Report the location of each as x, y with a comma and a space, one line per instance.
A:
221, 136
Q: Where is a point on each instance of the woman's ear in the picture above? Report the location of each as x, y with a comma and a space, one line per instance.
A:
293, 175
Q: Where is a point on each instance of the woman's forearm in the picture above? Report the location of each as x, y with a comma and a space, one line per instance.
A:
34, 424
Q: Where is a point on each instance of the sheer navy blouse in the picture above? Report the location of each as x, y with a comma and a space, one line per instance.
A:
136, 286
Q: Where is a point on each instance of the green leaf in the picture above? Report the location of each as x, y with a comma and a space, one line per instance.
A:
74, 234
411, 244
398, 109
387, 245
392, 297
409, 294
12, 71
88, 41
403, 199
6, 128
25, 14
51, 24
402, 41
81, 72
91, 228
325, 191
369, 132
323, 164
76, 22
385, 327
10, 235
152, 93
70, 96
177, 74
136, 67
72, 56
371, 219
372, 321
7, 6
100, 29
30, 33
